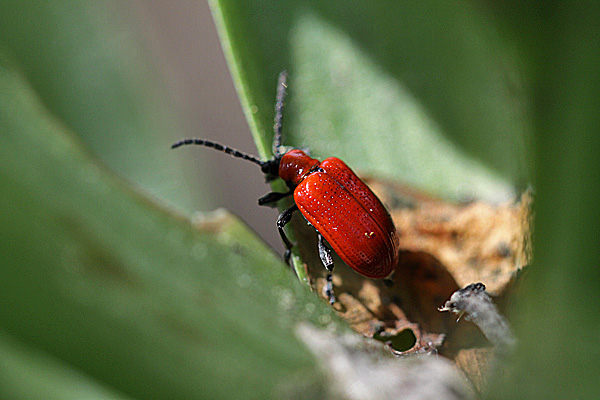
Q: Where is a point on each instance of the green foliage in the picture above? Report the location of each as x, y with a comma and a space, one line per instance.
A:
103, 293
422, 94
124, 292
90, 70
557, 316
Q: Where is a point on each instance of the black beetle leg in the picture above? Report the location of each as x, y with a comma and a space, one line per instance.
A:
327, 261
284, 218
273, 197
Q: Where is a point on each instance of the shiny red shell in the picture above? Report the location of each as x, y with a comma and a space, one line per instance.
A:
343, 209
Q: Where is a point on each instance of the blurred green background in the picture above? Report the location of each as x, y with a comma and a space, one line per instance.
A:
106, 290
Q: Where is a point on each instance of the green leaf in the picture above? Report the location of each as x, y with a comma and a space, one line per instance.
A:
423, 94
31, 374
557, 315
87, 62
124, 292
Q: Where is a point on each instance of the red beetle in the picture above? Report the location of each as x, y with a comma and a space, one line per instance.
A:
340, 206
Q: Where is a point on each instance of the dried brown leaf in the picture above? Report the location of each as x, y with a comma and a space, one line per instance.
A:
444, 246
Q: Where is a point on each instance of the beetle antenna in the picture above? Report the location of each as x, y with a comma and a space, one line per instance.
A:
220, 147
279, 104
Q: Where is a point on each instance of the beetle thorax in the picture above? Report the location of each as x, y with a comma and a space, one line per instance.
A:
295, 165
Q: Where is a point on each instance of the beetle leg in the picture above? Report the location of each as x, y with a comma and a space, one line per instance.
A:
284, 218
273, 197
327, 261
